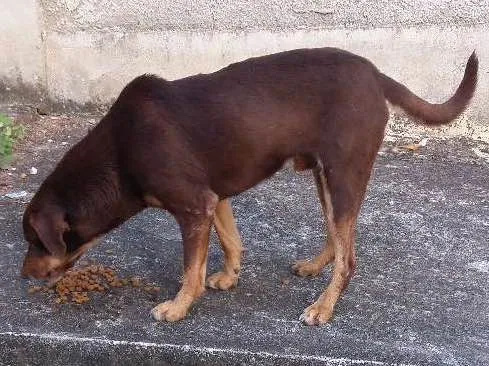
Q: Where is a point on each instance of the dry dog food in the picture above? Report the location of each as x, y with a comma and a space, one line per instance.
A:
77, 284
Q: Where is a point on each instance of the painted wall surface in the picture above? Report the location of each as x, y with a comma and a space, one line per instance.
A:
21, 46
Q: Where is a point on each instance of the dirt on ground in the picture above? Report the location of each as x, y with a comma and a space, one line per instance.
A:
46, 139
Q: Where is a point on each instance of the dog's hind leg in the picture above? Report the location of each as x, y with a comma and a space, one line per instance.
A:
344, 177
315, 266
228, 233
340, 247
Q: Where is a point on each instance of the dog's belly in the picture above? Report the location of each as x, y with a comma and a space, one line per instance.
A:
235, 180
235, 168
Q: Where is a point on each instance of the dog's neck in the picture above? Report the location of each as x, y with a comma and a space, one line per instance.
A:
87, 184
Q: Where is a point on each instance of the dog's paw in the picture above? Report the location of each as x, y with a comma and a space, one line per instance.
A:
169, 311
305, 268
316, 314
222, 281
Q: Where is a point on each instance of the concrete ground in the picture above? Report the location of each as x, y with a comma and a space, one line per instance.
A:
420, 295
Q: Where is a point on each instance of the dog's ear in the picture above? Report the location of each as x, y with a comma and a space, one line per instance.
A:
50, 225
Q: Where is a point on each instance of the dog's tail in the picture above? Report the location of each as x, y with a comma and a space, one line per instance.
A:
433, 114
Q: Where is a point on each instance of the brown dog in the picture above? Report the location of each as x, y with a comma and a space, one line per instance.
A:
187, 145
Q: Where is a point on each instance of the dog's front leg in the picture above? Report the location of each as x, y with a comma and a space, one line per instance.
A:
195, 230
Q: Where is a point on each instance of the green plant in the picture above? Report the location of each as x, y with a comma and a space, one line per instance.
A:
9, 134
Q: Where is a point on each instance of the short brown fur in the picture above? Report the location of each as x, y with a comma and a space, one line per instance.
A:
187, 145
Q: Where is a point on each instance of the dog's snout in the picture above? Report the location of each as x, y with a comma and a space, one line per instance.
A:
32, 274
27, 269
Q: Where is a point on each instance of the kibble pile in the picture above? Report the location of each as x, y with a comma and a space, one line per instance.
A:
77, 284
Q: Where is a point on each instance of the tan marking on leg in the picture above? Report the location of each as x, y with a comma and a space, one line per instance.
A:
192, 289
321, 311
341, 235
229, 237
196, 245
315, 266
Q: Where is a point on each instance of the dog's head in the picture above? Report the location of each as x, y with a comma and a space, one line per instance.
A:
54, 243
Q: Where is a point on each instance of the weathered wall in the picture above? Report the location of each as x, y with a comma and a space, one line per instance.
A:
244, 15
90, 48
21, 50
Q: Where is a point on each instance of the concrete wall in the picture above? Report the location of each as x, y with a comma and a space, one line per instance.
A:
21, 47
86, 50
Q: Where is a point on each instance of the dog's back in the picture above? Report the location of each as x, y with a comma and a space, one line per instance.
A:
258, 112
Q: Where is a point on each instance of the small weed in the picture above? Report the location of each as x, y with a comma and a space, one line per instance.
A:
9, 134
